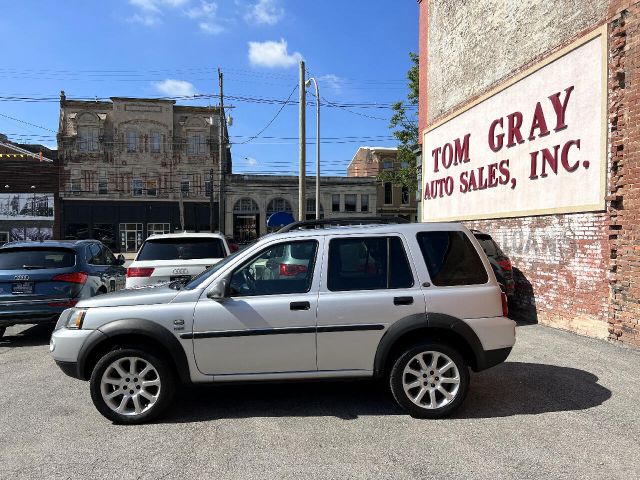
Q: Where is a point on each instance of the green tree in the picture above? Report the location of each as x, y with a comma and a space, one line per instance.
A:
404, 124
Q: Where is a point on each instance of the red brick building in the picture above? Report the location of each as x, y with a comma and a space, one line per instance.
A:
530, 121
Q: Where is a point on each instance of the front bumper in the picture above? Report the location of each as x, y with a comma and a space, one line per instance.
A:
69, 368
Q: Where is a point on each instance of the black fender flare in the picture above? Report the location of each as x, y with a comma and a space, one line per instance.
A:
135, 326
420, 321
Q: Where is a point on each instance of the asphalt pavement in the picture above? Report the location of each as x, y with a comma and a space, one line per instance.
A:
562, 406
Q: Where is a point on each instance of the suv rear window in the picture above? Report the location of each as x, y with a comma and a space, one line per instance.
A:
489, 246
183, 249
370, 263
36, 258
451, 259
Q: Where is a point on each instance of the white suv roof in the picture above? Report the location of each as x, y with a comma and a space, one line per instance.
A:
187, 235
375, 228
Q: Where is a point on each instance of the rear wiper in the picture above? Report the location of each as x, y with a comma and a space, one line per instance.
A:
32, 267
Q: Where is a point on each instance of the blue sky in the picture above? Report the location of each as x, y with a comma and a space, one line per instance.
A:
358, 51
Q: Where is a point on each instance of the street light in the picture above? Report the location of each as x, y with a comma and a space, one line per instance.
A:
307, 83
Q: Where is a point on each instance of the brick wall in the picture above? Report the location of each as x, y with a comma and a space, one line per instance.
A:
560, 268
624, 200
581, 271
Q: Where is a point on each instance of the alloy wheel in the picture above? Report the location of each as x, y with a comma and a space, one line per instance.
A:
431, 380
130, 386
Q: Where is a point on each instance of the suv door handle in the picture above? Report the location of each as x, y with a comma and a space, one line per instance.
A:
402, 300
299, 306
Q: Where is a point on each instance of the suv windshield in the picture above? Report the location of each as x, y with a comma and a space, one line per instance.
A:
181, 248
28, 258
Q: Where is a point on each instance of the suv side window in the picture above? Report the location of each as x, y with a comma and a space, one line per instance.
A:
109, 258
94, 254
368, 263
451, 259
280, 269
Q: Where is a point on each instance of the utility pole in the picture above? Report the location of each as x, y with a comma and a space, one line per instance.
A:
211, 201
221, 157
317, 146
302, 197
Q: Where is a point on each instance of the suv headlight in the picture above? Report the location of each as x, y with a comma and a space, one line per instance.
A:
75, 318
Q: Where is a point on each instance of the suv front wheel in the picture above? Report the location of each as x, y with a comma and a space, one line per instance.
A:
131, 386
430, 380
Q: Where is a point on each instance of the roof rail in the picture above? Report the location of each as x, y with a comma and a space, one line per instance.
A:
341, 221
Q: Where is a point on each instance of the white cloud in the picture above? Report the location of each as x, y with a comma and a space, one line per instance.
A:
252, 162
175, 88
146, 19
206, 13
265, 12
150, 12
272, 54
333, 82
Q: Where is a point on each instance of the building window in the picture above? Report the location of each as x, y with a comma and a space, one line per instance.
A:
404, 165
185, 188
158, 228
103, 183
88, 139
195, 144
155, 142
207, 188
132, 141
4, 237
405, 195
388, 193
335, 202
246, 205
278, 205
350, 202
136, 187
130, 237
152, 188
364, 203
76, 186
311, 209
387, 165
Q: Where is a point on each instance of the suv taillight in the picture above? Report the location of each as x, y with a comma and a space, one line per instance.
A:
290, 270
505, 264
133, 272
505, 304
76, 277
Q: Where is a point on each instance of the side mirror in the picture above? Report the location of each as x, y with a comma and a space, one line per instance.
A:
121, 259
218, 290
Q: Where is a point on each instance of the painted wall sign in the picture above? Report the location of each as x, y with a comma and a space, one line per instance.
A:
26, 206
535, 146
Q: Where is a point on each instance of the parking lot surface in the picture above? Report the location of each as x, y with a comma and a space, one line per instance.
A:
563, 406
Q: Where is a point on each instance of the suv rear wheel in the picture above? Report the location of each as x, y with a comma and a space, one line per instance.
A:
131, 386
430, 380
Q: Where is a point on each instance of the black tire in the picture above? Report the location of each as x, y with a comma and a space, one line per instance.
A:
402, 397
2, 330
165, 391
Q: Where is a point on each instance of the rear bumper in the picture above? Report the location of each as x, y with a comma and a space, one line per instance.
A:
50, 315
491, 358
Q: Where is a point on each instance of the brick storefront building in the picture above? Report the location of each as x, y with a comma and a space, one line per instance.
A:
539, 102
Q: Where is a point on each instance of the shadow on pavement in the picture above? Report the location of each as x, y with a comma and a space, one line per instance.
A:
27, 336
513, 388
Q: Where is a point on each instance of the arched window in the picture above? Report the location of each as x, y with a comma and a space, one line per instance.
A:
246, 205
279, 205
88, 132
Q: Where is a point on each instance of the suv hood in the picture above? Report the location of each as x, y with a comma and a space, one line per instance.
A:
150, 295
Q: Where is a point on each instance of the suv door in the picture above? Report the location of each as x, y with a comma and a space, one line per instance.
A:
267, 323
370, 283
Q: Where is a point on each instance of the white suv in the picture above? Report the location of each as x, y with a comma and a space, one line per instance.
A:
417, 304
175, 256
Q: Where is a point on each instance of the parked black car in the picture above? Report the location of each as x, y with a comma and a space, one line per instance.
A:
499, 261
38, 280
